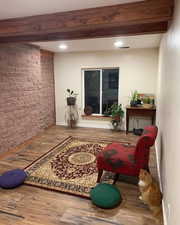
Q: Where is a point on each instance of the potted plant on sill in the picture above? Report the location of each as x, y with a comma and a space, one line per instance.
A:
117, 114
71, 99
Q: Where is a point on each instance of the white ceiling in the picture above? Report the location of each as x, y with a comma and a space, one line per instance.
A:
22, 8
103, 44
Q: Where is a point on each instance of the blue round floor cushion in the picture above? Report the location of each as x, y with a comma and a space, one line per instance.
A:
12, 179
105, 196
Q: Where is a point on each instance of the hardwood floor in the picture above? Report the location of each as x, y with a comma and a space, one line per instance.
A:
27, 205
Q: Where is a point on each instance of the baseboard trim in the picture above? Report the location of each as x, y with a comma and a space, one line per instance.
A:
89, 124
158, 166
159, 177
164, 213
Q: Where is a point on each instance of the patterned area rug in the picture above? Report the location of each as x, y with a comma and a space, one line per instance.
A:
70, 167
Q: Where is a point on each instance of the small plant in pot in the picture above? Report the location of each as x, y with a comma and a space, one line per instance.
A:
147, 103
71, 99
117, 114
134, 99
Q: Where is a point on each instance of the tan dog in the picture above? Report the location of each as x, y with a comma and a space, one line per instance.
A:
151, 194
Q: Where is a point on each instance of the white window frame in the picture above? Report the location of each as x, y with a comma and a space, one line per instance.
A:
83, 93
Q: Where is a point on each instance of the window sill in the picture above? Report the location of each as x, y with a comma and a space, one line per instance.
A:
96, 117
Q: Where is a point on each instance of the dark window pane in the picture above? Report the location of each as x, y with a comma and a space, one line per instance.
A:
110, 86
92, 90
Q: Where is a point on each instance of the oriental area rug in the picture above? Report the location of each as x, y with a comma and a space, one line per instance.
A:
70, 167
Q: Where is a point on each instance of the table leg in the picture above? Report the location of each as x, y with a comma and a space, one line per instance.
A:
153, 119
127, 123
100, 172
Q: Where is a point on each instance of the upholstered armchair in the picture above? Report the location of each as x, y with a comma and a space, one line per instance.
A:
126, 159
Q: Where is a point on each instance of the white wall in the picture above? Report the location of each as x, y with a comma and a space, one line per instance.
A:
138, 71
168, 119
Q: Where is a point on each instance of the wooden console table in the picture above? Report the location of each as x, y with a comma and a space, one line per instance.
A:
139, 111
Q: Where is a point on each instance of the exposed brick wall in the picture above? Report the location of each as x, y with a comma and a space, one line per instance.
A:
26, 93
48, 92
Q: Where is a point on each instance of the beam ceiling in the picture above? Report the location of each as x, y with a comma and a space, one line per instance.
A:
147, 17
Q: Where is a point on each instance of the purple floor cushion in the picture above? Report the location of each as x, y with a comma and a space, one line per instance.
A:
12, 179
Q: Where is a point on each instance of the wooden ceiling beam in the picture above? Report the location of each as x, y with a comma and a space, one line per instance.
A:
145, 17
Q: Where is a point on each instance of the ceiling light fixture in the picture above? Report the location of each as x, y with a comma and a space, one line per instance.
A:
118, 44
63, 46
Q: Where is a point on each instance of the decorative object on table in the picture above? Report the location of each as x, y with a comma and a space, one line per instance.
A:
147, 103
88, 110
106, 196
71, 115
127, 160
148, 100
70, 167
12, 178
117, 114
135, 101
151, 195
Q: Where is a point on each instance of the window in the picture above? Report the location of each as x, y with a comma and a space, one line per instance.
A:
100, 88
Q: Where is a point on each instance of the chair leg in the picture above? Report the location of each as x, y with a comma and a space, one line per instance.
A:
116, 178
147, 168
100, 172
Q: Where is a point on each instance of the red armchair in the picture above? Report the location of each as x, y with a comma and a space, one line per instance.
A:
126, 159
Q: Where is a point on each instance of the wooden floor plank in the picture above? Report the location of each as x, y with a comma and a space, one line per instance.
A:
31, 205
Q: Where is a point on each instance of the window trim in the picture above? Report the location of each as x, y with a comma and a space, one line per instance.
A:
83, 92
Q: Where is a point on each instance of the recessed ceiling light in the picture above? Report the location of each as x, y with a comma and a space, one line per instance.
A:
118, 44
63, 46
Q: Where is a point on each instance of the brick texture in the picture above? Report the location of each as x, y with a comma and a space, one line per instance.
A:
26, 93
47, 91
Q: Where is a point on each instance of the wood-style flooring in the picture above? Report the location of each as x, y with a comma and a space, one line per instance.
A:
27, 205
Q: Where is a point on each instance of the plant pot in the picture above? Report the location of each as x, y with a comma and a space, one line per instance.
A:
71, 101
133, 103
115, 124
116, 118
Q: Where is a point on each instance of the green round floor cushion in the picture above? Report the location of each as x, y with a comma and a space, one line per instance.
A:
105, 196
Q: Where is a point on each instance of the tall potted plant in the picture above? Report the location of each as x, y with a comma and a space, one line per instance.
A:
71, 99
71, 115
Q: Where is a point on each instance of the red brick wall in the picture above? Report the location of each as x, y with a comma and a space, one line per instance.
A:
47, 91
26, 93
